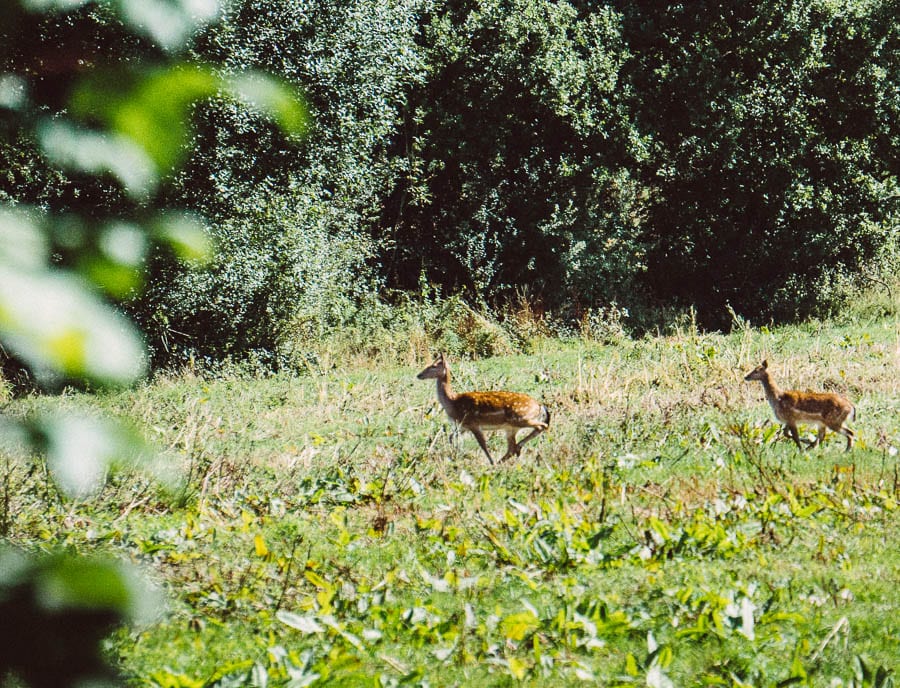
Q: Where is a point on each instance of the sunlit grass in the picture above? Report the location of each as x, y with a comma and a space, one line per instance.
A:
333, 526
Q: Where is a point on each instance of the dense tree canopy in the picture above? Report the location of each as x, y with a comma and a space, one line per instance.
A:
771, 173
652, 155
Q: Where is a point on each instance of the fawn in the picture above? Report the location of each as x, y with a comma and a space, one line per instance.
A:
792, 407
480, 411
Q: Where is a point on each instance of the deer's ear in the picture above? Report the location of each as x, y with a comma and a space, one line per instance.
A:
765, 364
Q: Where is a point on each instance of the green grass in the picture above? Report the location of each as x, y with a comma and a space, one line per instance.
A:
332, 529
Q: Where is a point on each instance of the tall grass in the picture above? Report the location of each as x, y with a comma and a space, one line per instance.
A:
330, 525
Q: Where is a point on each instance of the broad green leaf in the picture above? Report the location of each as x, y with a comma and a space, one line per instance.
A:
331, 623
517, 626
166, 679
118, 266
22, 242
98, 153
170, 23
151, 108
631, 666
259, 544
81, 449
50, 5
67, 582
317, 580
656, 678
186, 235
661, 529
517, 667
747, 621
124, 243
53, 322
13, 92
270, 97
306, 624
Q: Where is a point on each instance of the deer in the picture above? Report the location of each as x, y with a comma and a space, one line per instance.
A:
478, 412
826, 409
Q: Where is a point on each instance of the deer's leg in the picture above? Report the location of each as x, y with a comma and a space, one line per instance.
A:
844, 430
480, 437
537, 430
820, 437
792, 429
512, 449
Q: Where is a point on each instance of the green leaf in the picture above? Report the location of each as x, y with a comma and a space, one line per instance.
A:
97, 153
53, 322
517, 667
151, 108
81, 449
62, 581
273, 98
170, 23
23, 244
186, 235
45, 5
305, 624
118, 267
517, 626
631, 665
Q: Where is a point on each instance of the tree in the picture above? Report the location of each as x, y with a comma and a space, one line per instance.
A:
519, 154
773, 159
296, 254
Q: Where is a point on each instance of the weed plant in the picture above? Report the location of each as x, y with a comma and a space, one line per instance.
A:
332, 527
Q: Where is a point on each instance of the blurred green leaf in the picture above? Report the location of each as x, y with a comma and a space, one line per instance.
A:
170, 23
62, 607
118, 266
51, 5
186, 235
13, 91
22, 241
517, 626
120, 281
150, 108
54, 323
80, 449
82, 582
273, 98
97, 153
306, 624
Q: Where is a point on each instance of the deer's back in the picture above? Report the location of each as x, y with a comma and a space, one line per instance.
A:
795, 406
496, 409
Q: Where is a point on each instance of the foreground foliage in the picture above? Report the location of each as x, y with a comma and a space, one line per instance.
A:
328, 530
94, 104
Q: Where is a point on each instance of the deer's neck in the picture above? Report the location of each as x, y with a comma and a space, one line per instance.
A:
446, 395
773, 392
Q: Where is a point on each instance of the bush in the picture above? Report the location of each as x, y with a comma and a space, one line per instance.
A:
290, 266
773, 162
519, 157
641, 157
295, 258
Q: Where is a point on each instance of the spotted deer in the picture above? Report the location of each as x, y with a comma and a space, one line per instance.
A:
478, 412
827, 410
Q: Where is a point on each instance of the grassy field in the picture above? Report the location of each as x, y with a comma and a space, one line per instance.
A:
333, 529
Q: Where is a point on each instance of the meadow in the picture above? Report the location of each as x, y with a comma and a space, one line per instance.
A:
332, 528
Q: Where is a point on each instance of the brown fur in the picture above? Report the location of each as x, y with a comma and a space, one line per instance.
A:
481, 411
791, 407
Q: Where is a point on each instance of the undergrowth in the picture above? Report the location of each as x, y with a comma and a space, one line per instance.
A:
332, 527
